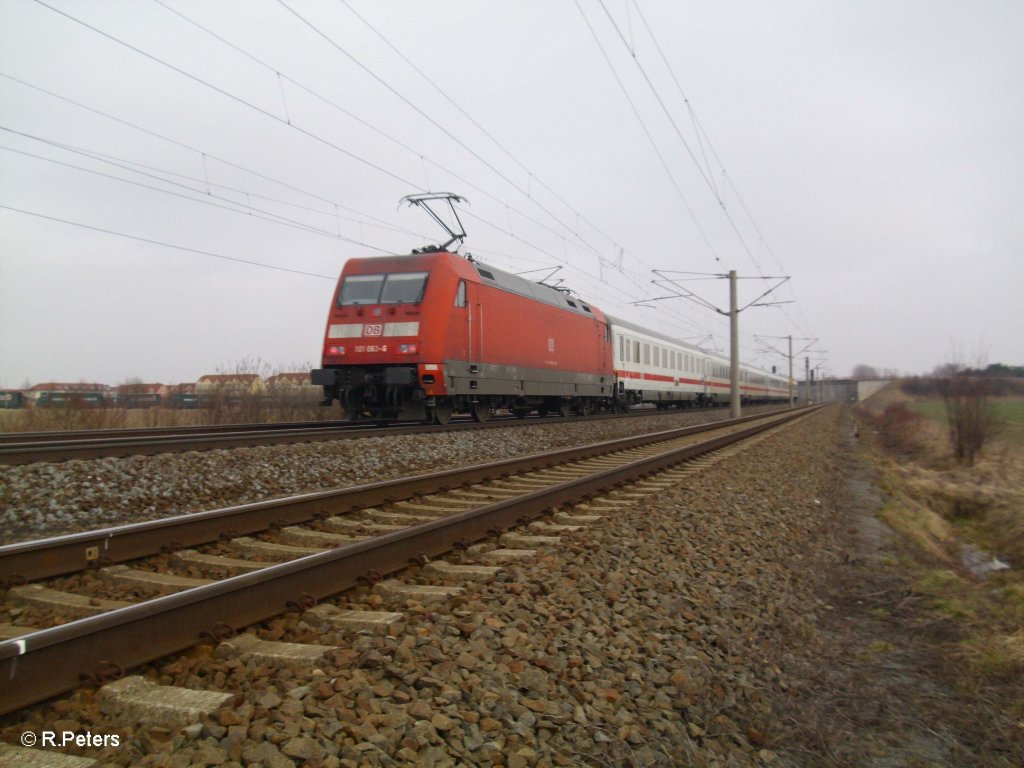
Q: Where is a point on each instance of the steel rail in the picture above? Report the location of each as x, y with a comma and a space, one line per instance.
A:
29, 452
55, 556
11, 438
27, 448
52, 661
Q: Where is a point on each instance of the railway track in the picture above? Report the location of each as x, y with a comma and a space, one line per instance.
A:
12, 438
329, 542
30, 447
44, 447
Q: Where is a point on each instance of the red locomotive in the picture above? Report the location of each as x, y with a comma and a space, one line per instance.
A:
420, 337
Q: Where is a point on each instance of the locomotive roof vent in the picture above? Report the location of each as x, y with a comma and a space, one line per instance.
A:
549, 294
454, 227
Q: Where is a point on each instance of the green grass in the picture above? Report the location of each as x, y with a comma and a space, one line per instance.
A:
1009, 410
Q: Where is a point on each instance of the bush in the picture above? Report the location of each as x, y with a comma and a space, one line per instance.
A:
971, 414
900, 428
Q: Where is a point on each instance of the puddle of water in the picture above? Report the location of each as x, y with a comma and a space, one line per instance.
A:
979, 562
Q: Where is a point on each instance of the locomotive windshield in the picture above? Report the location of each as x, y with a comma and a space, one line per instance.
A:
403, 288
394, 288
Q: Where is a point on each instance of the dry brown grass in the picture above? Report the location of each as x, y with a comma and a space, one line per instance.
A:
913, 662
983, 505
935, 497
246, 410
929, 531
1006, 528
938, 506
69, 418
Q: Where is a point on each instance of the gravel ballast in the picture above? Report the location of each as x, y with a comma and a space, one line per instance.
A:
653, 637
50, 499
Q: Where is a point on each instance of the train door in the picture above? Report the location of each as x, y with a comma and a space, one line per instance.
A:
459, 325
477, 311
474, 322
605, 364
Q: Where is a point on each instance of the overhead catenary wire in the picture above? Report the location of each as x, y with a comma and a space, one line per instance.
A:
636, 281
207, 199
533, 177
704, 168
679, 134
379, 131
444, 129
197, 151
217, 89
163, 244
632, 51
701, 135
616, 262
226, 93
517, 187
650, 137
235, 98
167, 176
704, 140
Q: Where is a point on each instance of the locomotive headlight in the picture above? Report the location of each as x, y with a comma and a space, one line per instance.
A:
407, 349
337, 350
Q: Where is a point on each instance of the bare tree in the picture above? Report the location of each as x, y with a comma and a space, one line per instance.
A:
863, 371
947, 370
971, 414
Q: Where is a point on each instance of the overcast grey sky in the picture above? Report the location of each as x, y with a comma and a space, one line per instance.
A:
182, 181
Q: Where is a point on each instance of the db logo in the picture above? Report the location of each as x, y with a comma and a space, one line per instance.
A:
373, 329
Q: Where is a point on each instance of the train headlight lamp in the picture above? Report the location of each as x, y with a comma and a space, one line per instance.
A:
408, 349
